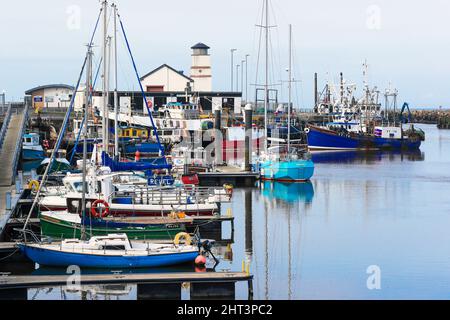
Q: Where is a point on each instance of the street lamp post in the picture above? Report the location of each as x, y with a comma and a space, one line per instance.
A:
237, 77
242, 76
232, 68
246, 77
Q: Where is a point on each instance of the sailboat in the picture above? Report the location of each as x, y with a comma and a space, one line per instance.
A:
291, 165
111, 250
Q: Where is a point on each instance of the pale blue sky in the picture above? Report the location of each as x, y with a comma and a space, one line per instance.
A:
410, 48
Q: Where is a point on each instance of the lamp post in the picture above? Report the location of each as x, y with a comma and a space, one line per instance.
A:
237, 77
232, 68
246, 77
242, 76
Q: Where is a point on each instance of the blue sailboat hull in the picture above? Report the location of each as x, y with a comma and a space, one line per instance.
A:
46, 257
288, 171
319, 139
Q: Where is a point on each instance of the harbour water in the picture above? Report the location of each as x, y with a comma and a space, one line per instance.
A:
317, 240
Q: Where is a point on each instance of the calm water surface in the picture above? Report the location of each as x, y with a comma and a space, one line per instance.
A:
316, 240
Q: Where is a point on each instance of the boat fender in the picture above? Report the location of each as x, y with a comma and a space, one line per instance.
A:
307, 130
33, 185
183, 235
96, 205
229, 189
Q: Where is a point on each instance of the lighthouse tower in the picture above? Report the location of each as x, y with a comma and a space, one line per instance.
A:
201, 68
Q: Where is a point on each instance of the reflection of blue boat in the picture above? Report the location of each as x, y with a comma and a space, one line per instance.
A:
325, 139
31, 148
365, 156
288, 192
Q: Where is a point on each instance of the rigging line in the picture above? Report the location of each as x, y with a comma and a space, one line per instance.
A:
57, 145
143, 93
61, 134
260, 42
84, 118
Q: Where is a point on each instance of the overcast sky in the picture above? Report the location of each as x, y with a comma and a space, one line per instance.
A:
406, 42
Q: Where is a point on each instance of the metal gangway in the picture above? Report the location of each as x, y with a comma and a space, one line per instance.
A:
11, 133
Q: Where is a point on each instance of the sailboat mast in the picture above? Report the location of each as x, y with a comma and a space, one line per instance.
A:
290, 90
85, 128
116, 99
266, 85
105, 135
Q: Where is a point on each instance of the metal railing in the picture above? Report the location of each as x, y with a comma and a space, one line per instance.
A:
19, 142
5, 125
181, 195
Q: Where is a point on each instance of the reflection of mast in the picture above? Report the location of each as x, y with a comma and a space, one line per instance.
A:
289, 258
266, 227
248, 223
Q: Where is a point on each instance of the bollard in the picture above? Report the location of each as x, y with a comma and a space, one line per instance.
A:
248, 139
8, 201
33, 174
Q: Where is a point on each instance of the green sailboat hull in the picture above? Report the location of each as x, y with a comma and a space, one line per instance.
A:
59, 229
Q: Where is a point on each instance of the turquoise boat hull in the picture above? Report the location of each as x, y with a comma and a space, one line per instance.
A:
53, 258
287, 171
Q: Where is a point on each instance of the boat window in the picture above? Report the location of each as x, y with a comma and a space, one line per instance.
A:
109, 247
79, 186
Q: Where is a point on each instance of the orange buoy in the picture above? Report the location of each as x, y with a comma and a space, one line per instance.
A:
137, 156
200, 260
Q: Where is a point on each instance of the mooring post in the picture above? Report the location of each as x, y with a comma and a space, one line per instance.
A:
250, 289
8, 201
248, 135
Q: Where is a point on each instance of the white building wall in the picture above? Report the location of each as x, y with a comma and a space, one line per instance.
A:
170, 80
57, 98
201, 72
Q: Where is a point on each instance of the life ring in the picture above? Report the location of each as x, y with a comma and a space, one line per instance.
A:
307, 130
33, 185
183, 235
95, 213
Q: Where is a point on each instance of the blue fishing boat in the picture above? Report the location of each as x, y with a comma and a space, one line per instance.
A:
111, 251
342, 139
31, 147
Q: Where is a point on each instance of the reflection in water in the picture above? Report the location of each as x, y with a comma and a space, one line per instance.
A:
366, 157
316, 240
288, 192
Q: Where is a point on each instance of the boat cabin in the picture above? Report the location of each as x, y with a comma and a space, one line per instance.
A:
30, 140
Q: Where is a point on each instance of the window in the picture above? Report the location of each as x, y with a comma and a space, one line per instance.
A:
121, 247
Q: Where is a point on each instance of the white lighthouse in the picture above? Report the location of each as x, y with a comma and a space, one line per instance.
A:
201, 68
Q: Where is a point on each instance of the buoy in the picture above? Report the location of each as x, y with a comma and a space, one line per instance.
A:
137, 157
96, 207
200, 260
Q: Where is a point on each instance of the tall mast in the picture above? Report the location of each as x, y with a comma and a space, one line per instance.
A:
105, 135
266, 85
290, 89
116, 99
85, 131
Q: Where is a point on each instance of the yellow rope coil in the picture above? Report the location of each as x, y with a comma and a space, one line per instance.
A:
183, 235
33, 185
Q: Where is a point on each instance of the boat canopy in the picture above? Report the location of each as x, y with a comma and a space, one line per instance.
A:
156, 164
